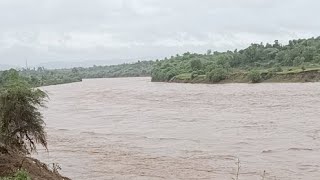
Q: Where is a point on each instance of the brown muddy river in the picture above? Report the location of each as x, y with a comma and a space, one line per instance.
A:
131, 128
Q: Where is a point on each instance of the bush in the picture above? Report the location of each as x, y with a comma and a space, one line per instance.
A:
200, 72
316, 59
22, 175
19, 175
298, 61
277, 69
194, 74
170, 74
254, 76
217, 75
268, 75
196, 64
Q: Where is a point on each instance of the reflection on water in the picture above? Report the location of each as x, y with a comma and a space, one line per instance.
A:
131, 128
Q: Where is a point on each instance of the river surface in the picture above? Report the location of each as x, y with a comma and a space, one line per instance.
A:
131, 128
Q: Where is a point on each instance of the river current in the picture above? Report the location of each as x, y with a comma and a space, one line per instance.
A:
131, 128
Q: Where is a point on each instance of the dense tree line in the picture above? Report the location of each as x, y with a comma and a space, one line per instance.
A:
217, 66
214, 66
138, 69
41, 76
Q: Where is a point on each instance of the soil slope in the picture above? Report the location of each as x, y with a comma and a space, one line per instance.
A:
11, 161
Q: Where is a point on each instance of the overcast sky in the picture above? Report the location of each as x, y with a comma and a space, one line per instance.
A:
90, 30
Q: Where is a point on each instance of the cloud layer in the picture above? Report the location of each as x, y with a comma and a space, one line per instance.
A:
79, 30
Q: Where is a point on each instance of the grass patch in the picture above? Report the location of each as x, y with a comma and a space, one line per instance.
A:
296, 71
19, 175
185, 76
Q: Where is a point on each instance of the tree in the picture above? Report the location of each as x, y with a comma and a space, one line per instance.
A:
276, 44
8, 75
76, 71
21, 123
217, 74
209, 52
298, 61
254, 76
316, 59
196, 64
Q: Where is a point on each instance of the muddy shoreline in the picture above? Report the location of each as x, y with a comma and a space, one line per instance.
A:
288, 77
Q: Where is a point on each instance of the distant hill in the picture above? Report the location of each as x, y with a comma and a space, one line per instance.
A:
42, 76
68, 65
86, 64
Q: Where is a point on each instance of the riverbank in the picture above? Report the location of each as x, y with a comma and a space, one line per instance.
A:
308, 75
12, 162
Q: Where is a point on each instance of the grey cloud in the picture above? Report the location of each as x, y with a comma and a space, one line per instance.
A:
78, 30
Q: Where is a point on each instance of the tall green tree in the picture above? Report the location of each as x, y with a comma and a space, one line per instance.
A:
21, 122
196, 64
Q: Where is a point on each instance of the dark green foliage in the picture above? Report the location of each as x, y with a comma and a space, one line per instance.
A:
44, 77
273, 58
254, 76
22, 175
138, 69
21, 123
316, 59
196, 64
270, 57
194, 74
217, 74
277, 68
19, 175
298, 61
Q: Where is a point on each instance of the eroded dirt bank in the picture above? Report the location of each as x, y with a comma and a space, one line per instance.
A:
11, 162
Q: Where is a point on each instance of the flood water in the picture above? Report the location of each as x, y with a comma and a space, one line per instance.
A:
131, 128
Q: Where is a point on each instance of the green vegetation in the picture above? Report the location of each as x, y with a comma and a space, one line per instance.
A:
254, 76
22, 129
256, 63
217, 74
21, 124
43, 77
19, 175
298, 61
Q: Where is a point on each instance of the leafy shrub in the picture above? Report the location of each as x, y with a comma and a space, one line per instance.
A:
19, 175
200, 72
277, 69
298, 61
196, 64
22, 175
194, 74
268, 75
217, 75
316, 59
254, 76
170, 74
